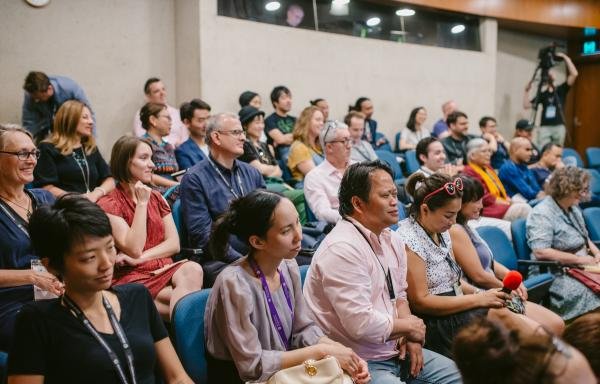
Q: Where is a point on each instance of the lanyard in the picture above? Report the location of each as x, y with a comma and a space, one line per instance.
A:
6, 209
119, 332
451, 262
274, 315
567, 219
388, 275
239, 180
81, 161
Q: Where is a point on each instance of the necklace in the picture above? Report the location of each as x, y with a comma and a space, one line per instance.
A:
81, 161
27, 209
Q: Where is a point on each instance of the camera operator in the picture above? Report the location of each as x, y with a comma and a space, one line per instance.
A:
552, 97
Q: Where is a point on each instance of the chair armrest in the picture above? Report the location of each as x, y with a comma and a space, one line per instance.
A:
545, 265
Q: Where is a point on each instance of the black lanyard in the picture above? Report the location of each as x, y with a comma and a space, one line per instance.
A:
567, 219
451, 262
388, 275
118, 331
17, 220
227, 183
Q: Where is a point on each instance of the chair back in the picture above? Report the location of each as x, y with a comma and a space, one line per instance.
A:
303, 271
188, 334
397, 142
592, 155
412, 164
176, 213
390, 159
592, 222
500, 246
383, 147
570, 152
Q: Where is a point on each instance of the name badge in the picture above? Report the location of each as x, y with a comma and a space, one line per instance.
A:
550, 112
457, 289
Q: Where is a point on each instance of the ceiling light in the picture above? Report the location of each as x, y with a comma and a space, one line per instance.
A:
405, 12
458, 28
340, 2
373, 21
272, 6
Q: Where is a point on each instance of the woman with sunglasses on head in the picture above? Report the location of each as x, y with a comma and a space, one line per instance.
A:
18, 157
262, 289
436, 289
556, 232
70, 160
93, 333
477, 261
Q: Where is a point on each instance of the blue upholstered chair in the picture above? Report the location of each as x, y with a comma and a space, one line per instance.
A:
592, 155
502, 249
592, 222
570, 152
412, 164
397, 142
390, 159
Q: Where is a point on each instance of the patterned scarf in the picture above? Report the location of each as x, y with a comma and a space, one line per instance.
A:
491, 180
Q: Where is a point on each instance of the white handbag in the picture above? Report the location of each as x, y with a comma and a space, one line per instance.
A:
324, 371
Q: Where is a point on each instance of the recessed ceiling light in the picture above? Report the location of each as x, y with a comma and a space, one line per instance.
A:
373, 21
272, 6
405, 12
340, 2
457, 28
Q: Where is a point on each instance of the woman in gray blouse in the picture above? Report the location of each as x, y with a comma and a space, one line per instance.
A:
556, 231
256, 320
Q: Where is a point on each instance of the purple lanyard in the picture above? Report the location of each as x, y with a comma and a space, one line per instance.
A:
274, 315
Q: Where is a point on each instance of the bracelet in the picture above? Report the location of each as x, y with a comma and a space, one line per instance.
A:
477, 290
101, 190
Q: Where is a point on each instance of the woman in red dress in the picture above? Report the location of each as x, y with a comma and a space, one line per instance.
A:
144, 230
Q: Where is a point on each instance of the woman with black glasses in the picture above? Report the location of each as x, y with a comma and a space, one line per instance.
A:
437, 291
18, 157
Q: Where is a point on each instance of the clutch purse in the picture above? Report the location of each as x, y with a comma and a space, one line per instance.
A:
324, 371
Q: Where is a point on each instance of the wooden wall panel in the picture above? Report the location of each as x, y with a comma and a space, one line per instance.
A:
569, 13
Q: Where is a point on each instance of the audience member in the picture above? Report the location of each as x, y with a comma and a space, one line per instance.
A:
496, 202
489, 131
553, 97
322, 183
242, 343
18, 157
356, 285
260, 155
524, 129
194, 115
551, 159
432, 158
440, 128
476, 260
436, 288
157, 123
93, 333
209, 186
294, 15
415, 129
518, 179
584, 334
556, 232
156, 93
488, 352
144, 231
323, 105
306, 152
279, 125
43, 97
361, 149
69, 159
365, 106
455, 144
250, 98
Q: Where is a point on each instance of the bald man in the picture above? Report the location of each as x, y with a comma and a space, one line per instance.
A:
519, 181
440, 128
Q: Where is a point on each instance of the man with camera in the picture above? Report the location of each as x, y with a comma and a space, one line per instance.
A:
552, 97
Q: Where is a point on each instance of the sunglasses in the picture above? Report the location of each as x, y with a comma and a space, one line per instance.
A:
450, 188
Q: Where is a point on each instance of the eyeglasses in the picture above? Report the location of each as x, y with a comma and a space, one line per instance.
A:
330, 124
234, 133
451, 188
24, 155
345, 141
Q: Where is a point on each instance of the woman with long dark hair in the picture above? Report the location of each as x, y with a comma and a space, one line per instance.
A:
415, 129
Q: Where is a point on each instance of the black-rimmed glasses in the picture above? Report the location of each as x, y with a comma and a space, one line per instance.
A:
24, 155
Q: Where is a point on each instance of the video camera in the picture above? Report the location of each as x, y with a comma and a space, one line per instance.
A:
547, 57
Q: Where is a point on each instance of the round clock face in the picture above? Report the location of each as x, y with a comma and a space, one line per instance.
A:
38, 3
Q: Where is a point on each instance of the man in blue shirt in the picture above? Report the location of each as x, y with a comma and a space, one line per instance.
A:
194, 116
440, 128
43, 96
519, 181
208, 188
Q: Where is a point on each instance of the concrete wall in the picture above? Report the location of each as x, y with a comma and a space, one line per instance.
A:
237, 55
109, 47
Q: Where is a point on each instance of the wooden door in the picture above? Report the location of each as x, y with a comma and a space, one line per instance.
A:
583, 107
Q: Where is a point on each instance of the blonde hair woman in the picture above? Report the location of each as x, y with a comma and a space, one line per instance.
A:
69, 159
306, 152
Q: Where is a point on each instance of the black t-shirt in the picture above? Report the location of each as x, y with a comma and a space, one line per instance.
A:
69, 172
260, 153
456, 149
52, 342
283, 123
551, 114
